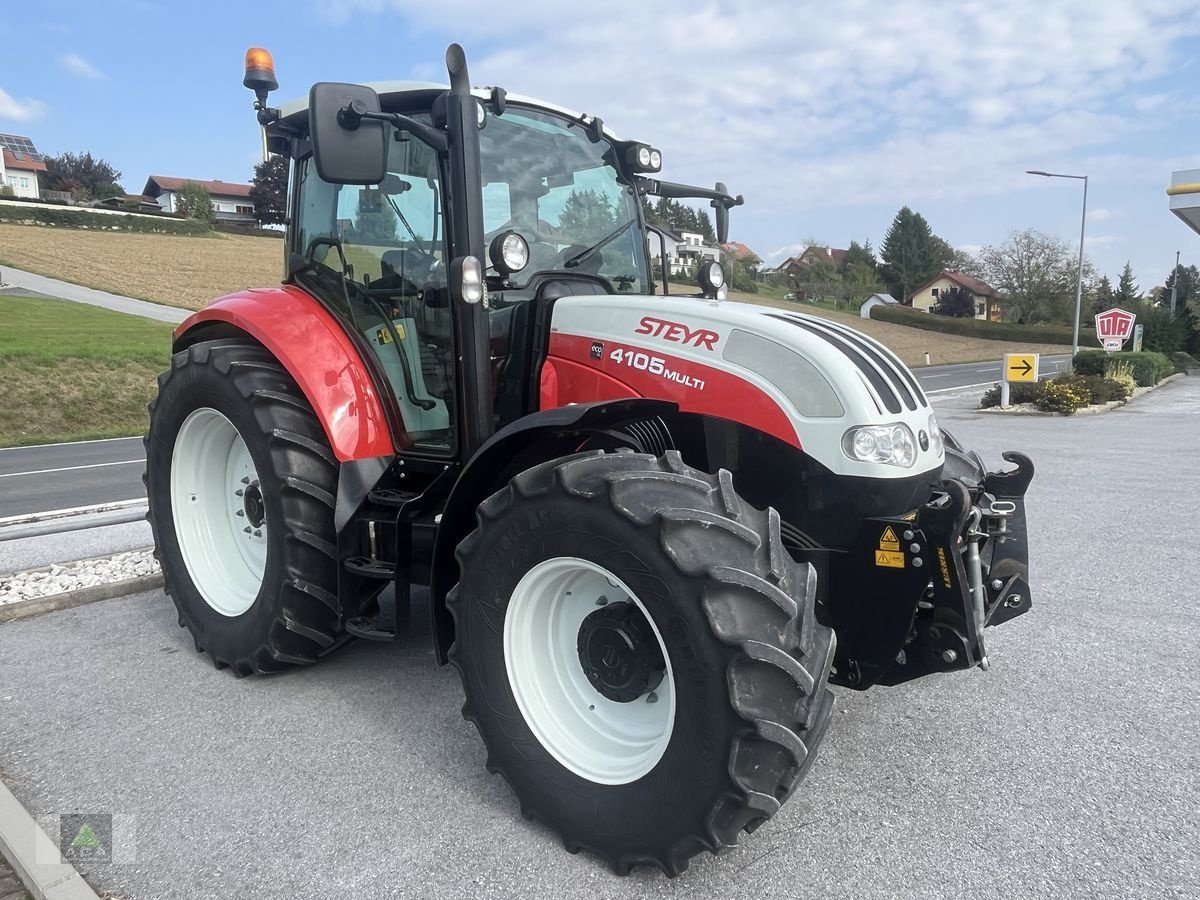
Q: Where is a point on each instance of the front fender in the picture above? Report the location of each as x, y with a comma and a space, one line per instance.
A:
535, 438
316, 350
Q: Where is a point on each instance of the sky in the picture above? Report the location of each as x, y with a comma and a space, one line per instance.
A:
826, 117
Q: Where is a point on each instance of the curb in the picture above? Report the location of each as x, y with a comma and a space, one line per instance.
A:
23, 843
36, 606
1028, 410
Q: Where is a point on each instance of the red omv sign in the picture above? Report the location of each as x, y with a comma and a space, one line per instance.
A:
1113, 328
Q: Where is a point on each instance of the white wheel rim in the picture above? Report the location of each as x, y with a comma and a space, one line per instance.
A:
602, 740
223, 541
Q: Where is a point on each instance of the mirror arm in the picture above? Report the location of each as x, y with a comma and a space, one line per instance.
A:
431, 136
680, 191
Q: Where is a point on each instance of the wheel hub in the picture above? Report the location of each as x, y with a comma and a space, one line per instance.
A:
252, 504
619, 652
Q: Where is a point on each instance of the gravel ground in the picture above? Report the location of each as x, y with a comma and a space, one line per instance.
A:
1069, 770
58, 579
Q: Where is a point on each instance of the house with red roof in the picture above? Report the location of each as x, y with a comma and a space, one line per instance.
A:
20, 164
985, 296
230, 200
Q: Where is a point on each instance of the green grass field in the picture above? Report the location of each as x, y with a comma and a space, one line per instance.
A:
72, 372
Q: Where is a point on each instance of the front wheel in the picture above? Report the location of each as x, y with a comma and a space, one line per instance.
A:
640, 655
241, 484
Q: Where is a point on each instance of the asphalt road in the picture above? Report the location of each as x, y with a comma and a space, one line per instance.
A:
1071, 769
36, 479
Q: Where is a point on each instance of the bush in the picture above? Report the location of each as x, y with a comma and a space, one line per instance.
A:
1104, 390
1121, 371
97, 221
1064, 394
194, 202
1148, 368
1018, 392
978, 328
7, 191
1184, 362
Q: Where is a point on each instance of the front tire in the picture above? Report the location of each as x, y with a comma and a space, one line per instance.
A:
640, 655
241, 483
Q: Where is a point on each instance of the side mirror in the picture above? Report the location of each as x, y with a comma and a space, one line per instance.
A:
347, 147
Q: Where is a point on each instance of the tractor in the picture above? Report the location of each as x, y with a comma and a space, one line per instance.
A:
654, 526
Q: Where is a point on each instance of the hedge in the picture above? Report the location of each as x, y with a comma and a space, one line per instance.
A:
59, 217
1148, 367
976, 328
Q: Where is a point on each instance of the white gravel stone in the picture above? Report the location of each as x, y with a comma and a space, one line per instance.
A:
57, 579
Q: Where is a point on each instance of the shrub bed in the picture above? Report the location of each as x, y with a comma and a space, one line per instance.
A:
1148, 368
68, 217
976, 328
1064, 394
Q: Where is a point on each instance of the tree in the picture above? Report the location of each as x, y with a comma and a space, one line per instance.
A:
587, 216
84, 176
1102, 296
908, 257
956, 302
1127, 292
268, 191
859, 255
1189, 286
943, 253
965, 263
1035, 271
193, 201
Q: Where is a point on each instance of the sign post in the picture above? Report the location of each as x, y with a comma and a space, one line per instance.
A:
1113, 328
1017, 367
1137, 338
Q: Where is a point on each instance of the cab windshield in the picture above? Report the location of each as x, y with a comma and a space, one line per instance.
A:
544, 178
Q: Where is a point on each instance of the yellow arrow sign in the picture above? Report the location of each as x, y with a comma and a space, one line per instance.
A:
1020, 367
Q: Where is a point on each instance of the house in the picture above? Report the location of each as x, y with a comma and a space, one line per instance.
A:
230, 201
985, 296
874, 300
741, 253
20, 164
798, 267
683, 249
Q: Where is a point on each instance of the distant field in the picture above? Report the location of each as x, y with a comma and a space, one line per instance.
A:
189, 272
178, 271
72, 372
911, 344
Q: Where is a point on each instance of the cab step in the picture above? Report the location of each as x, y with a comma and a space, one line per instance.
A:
370, 568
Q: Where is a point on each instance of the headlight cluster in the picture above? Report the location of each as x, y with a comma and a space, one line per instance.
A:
937, 443
890, 444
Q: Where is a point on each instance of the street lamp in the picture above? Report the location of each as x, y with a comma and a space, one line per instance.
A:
1079, 276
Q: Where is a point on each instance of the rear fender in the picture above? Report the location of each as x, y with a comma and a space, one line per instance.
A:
316, 350
526, 442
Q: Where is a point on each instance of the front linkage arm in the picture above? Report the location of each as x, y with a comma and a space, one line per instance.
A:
913, 596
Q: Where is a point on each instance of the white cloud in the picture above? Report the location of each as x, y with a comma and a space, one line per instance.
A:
888, 102
80, 66
1100, 215
20, 110
779, 254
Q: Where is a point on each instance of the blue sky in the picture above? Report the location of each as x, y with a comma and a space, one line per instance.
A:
828, 117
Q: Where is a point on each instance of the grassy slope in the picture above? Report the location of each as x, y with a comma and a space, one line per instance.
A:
911, 344
72, 371
179, 271
189, 272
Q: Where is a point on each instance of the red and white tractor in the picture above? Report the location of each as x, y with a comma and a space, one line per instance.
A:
654, 527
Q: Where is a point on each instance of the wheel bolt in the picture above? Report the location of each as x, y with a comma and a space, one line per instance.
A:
245, 479
602, 600
652, 697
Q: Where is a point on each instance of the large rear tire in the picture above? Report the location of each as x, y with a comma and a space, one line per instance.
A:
241, 484
640, 655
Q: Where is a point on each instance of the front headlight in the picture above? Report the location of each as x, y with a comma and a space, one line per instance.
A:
890, 444
936, 442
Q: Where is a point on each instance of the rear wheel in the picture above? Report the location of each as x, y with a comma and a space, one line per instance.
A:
640, 655
241, 484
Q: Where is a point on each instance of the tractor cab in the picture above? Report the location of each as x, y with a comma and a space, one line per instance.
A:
553, 209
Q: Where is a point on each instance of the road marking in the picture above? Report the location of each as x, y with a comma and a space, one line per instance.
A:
69, 443
962, 387
124, 462
946, 375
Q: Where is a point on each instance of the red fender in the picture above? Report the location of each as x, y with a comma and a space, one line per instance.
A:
318, 353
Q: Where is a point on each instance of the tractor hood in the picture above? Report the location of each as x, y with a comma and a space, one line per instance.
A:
807, 380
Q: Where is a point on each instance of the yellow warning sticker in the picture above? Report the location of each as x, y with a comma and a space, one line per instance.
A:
888, 540
889, 558
382, 336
